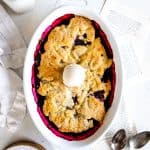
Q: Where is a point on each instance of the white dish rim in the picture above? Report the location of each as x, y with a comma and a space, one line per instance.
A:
32, 107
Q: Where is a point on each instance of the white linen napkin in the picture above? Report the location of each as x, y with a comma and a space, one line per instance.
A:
12, 45
131, 31
12, 52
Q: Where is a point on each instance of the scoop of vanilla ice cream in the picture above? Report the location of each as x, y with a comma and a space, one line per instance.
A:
73, 75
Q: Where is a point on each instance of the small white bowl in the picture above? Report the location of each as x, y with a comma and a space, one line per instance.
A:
32, 106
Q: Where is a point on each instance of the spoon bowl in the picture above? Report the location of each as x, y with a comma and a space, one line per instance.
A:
119, 140
139, 140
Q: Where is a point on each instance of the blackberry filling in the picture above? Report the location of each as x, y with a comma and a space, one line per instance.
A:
106, 75
81, 42
107, 102
40, 100
95, 122
85, 35
37, 60
88, 43
75, 99
69, 108
42, 42
64, 47
99, 95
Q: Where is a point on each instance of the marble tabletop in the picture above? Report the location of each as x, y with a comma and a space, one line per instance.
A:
27, 24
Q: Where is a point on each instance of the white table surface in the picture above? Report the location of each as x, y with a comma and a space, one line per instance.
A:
27, 24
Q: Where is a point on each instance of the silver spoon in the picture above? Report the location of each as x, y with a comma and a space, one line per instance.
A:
119, 140
139, 140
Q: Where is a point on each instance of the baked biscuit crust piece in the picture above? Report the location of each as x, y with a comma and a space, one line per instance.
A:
74, 109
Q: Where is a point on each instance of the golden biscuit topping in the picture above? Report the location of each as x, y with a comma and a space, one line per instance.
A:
74, 109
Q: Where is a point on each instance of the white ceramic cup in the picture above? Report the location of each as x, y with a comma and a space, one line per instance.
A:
29, 60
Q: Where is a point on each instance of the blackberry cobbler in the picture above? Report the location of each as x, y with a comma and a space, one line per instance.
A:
73, 113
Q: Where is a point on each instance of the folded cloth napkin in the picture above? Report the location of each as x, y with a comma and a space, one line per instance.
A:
12, 45
12, 52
